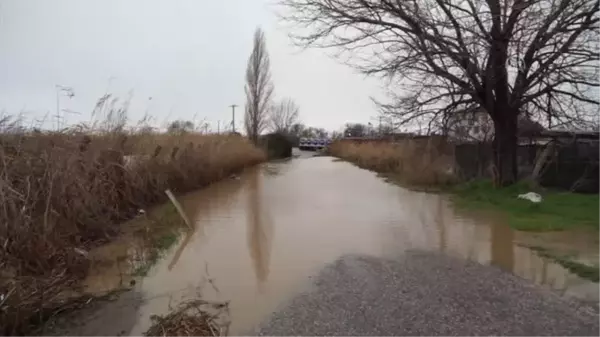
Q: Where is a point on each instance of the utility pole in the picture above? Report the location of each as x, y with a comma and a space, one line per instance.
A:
218, 127
233, 106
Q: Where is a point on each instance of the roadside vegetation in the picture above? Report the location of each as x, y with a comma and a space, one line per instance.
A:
413, 162
558, 210
63, 193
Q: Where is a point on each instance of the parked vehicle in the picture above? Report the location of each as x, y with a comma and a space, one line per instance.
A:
313, 144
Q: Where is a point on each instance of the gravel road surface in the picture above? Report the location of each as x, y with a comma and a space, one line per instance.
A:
426, 294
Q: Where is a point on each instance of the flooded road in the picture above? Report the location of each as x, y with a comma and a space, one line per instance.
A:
259, 240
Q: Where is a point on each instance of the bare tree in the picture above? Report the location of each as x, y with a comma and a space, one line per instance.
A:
313, 132
181, 126
508, 57
355, 130
259, 87
296, 129
283, 115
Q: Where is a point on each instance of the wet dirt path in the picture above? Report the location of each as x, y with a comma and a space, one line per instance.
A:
260, 239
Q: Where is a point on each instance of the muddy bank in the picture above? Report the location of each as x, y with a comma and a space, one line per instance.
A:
260, 239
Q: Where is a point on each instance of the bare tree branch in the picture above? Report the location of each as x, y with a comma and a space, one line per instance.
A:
283, 115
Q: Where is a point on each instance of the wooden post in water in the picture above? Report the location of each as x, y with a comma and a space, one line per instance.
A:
179, 209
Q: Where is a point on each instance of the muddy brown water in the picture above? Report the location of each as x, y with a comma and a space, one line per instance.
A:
259, 239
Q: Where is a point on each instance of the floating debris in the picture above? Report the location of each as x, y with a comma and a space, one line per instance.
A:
192, 318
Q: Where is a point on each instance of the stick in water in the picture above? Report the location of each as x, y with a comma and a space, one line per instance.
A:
179, 208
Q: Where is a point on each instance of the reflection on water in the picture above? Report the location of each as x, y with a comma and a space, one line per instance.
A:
182, 245
502, 239
260, 229
263, 236
487, 240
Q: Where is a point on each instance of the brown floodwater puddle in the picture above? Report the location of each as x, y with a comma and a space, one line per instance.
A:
260, 238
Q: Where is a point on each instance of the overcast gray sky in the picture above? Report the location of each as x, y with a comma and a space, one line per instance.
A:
188, 55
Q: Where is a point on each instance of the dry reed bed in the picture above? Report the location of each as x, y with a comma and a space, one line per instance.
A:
420, 162
63, 193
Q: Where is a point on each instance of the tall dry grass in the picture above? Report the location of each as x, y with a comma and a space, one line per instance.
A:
64, 192
420, 161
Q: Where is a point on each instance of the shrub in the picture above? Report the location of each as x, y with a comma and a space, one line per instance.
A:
277, 145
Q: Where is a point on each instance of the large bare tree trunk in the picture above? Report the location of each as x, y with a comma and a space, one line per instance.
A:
505, 149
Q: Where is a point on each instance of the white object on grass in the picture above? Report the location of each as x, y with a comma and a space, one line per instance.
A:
531, 196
